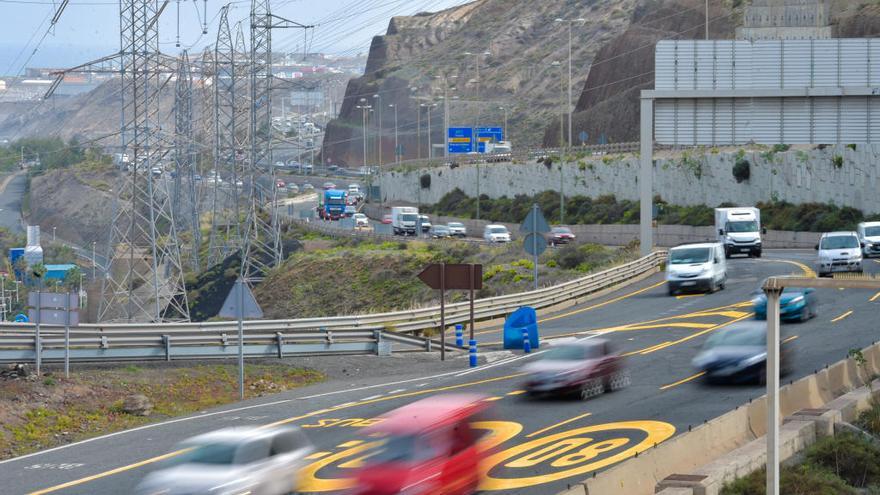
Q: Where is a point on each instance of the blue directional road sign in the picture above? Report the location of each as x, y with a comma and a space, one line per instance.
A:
460, 140
583, 136
488, 134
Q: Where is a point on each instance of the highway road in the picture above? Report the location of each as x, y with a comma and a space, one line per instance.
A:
542, 444
12, 190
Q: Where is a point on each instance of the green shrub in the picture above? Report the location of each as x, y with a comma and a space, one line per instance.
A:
798, 480
837, 161
742, 170
778, 148
852, 458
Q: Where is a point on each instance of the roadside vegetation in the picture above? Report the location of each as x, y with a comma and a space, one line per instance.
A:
42, 412
775, 215
846, 464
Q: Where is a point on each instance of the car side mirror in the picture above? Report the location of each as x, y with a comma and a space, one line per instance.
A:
862, 244
717, 260
720, 231
809, 290
816, 247
764, 230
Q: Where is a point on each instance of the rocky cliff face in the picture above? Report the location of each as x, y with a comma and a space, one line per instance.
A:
426, 50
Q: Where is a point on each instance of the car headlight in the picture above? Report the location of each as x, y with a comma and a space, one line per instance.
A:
796, 300
758, 300
753, 360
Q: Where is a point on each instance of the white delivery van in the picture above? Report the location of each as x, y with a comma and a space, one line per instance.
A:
696, 267
869, 235
739, 230
839, 252
404, 220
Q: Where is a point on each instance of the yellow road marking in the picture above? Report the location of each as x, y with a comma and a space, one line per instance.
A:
875, 297
605, 303
659, 347
808, 272
793, 337
492, 399
544, 430
516, 392
692, 377
665, 325
685, 296
169, 455
842, 316
317, 455
351, 443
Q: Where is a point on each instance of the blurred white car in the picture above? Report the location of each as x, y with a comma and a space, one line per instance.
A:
361, 220
496, 233
257, 461
457, 229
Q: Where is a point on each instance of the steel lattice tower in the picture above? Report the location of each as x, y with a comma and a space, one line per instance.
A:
185, 205
145, 279
229, 88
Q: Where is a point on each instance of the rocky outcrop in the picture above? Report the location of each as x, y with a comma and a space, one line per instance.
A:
406, 67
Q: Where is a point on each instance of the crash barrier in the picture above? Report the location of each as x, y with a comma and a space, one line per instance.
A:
519, 326
123, 345
17, 339
735, 429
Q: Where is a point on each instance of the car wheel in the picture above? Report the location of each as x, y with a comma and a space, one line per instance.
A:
713, 286
618, 381
592, 388
805, 313
672, 290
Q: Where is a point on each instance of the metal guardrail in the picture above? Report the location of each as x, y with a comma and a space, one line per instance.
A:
340, 334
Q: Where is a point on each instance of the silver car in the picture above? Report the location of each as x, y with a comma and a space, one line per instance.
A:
258, 461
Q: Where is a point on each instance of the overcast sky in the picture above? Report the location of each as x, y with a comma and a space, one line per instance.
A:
88, 29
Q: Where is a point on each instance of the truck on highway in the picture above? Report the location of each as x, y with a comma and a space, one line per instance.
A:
332, 205
404, 220
739, 230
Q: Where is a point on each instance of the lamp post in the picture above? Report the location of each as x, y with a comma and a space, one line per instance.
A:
94, 262
556, 63
445, 97
53, 233
378, 98
429, 106
477, 121
364, 109
504, 109
571, 23
396, 132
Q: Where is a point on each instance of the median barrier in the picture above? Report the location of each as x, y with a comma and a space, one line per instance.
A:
835, 387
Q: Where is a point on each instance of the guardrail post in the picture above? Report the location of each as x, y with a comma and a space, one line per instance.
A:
105, 343
279, 342
527, 346
224, 339
473, 352
428, 344
328, 336
383, 348
459, 335
166, 340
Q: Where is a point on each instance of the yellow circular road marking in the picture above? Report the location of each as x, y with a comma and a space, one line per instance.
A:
572, 453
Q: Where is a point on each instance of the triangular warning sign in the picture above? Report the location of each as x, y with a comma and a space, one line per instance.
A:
535, 222
249, 303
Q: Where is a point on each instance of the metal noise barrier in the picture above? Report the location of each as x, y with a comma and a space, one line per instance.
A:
358, 333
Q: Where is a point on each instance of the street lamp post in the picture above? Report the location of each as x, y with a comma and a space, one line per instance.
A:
569, 110
364, 109
477, 122
94, 263
396, 136
378, 98
53, 234
446, 111
504, 129
556, 63
419, 131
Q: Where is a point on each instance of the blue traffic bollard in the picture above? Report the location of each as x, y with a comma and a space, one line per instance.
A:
527, 346
473, 352
459, 335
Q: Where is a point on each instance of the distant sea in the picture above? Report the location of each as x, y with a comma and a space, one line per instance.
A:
55, 56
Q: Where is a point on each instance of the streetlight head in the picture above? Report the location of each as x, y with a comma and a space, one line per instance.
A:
558, 20
488, 54
555, 63
391, 105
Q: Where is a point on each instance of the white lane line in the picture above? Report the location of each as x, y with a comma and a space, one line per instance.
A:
371, 397
501, 363
421, 385
400, 390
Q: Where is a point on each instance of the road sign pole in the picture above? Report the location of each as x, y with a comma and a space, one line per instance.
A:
442, 311
67, 336
473, 283
535, 241
38, 345
772, 379
240, 309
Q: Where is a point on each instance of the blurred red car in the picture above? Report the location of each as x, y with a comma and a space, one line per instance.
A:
560, 235
386, 219
428, 448
279, 183
584, 368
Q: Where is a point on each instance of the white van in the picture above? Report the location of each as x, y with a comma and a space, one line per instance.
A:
696, 267
869, 235
839, 252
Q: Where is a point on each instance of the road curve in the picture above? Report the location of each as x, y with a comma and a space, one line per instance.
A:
544, 444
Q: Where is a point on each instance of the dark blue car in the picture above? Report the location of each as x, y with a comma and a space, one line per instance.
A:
738, 354
794, 305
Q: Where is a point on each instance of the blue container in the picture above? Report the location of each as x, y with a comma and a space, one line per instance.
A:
522, 320
57, 272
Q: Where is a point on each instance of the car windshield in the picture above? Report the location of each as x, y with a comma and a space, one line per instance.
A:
220, 453
561, 230
736, 337
689, 255
872, 231
742, 226
440, 228
573, 353
336, 201
456, 224
409, 217
498, 230
840, 242
402, 448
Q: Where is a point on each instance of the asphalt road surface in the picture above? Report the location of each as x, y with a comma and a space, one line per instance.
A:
10, 203
542, 444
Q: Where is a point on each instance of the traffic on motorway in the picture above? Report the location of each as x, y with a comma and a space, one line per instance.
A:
613, 376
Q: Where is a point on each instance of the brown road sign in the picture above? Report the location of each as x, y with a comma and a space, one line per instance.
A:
457, 276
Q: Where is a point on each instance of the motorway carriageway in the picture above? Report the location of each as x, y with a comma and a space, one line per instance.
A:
542, 445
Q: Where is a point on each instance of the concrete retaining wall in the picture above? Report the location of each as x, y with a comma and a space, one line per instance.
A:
735, 429
799, 176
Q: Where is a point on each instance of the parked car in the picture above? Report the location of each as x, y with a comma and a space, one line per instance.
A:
425, 222
280, 184
265, 461
496, 233
292, 188
839, 252
361, 220
794, 304
739, 354
585, 368
426, 447
386, 219
457, 229
329, 185
440, 232
308, 187
696, 266
560, 235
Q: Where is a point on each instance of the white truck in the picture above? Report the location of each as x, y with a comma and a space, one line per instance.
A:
404, 220
739, 230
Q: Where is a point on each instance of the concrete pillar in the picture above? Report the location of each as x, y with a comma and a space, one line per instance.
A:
646, 175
